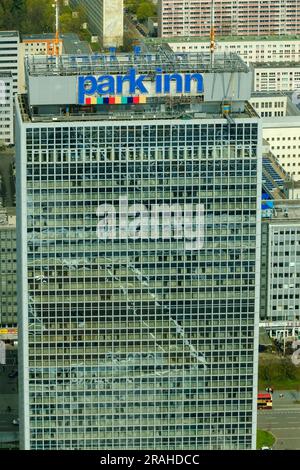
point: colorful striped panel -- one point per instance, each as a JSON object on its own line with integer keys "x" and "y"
{"x": 115, "y": 100}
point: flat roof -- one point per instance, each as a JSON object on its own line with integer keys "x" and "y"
{"x": 9, "y": 34}
{"x": 71, "y": 42}
{"x": 274, "y": 65}
{"x": 285, "y": 37}
{"x": 286, "y": 211}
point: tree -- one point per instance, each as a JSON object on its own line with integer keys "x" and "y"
{"x": 40, "y": 17}
{"x": 145, "y": 10}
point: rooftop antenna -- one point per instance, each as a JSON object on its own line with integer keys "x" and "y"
{"x": 212, "y": 33}
{"x": 56, "y": 48}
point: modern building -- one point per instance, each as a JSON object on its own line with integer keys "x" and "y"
{"x": 272, "y": 104}
{"x": 280, "y": 313}
{"x": 9, "y": 55}
{"x": 232, "y": 17}
{"x": 6, "y": 109}
{"x": 138, "y": 253}
{"x": 40, "y": 44}
{"x": 283, "y": 135}
{"x": 105, "y": 19}
{"x": 8, "y": 268}
{"x": 280, "y": 76}
{"x": 265, "y": 49}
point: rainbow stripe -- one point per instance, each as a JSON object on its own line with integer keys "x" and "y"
{"x": 115, "y": 100}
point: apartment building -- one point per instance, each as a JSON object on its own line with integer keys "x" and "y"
{"x": 232, "y": 17}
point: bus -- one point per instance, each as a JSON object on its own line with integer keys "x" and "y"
{"x": 264, "y": 401}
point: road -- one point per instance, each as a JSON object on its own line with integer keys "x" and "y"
{"x": 283, "y": 420}
{"x": 8, "y": 398}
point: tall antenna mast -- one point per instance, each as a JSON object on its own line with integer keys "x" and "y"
{"x": 212, "y": 32}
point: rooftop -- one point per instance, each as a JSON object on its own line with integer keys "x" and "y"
{"x": 71, "y": 42}
{"x": 287, "y": 210}
{"x": 166, "y": 60}
{"x": 9, "y": 34}
{"x": 225, "y": 39}
{"x": 274, "y": 65}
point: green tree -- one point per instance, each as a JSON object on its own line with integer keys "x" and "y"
{"x": 145, "y": 10}
{"x": 40, "y": 17}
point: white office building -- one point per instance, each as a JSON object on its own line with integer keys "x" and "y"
{"x": 6, "y": 109}
{"x": 279, "y": 76}
{"x": 250, "y": 48}
{"x": 9, "y": 55}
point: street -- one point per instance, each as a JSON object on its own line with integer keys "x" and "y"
{"x": 283, "y": 420}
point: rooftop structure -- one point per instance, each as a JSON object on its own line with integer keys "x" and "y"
{"x": 148, "y": 62}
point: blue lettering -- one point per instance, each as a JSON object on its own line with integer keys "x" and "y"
{"x": 188, "y": 82}
{"x": 86, "y": 86}
{"x": 111, "y": 85}
{"x": 179, "y": 82}
{"x": 106, "y": 85}
{"x": 158, "y": 81}
{"x": 136, "y": 83}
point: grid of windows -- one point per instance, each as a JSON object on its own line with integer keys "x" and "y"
{"x": 284, "y": 272}
{"x": 140, "y": 343}
{"x": 8, "y": 307}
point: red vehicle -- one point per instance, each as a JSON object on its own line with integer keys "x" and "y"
{"x": 264, "y": 401}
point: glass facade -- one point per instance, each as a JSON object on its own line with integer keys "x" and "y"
{"x": 139, "y": 343}
{"x": 283, "y": 271}
{"x": 8, "y": 277}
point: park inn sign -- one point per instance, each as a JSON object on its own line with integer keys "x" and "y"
{"x": 90, "y": 87}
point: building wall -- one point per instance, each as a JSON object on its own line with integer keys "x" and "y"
{"x": 272, "y": 78}
{"x": 232, "y": 17}
{"x": 285, "y": 145}
{"x": 270, "y": 106}
{"x": 254, "y": 50}
{"x": 6, "y": 110}
{"x": 8, "y": 276}
{"x": 138, "y": 344}
{"x": 9, "y": 55}
{"x": 284, "y": 271}
{"x": 41, "y": 46}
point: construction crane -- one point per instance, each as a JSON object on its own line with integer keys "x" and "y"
{"x": 56, "y": 48}
{"x": 212, "y": 33}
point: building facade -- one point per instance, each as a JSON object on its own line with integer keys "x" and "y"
{"x": 105, "y": 19}
{"x": 283, "y": 76}
{"x": 283, "y": 135}
{"x": 251, "y": 48}
{"x": 270, "y": 104}
{"x": 232, "y": 17}
{"x": 6, "y": 109}
{"x": 134, "y": 339}
{"x": 8, "y": 270}
{"x": 9, "y": 55}
{"x": 281, "y": 270}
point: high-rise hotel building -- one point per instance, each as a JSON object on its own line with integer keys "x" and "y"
{"x": 232, "y": 17}
{"x": 138, "y": 331}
